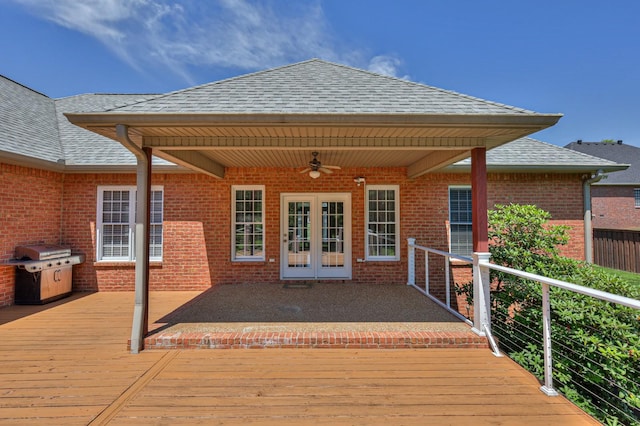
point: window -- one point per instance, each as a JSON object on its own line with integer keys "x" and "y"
{"x": 116, "y": 223}
{"x": 460, "y": 234}
{"x": 636, "y": 196}
{"x": 248, "y": 223}
{"x": 382, "y": 222}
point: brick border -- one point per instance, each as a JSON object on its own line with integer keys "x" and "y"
{"x": 318, "y": 340}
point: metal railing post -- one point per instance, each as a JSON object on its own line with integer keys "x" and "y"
{"x": 411, "y": 261}
{"x": 426, "y": 271}
{"x": 481, "y": 294}
{"x": 447, "y": 284}
{"x": 546, "y": 337}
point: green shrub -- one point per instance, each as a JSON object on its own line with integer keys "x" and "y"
{"x": 596, "y": 344}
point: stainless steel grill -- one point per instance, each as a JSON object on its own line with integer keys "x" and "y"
{"x": 44, "y": 273}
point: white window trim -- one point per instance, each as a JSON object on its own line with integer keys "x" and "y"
{"x": 396, "y": 189}
{"x": 449, "y": 211}
{"x": 235, "y": 258}
{"x": 635, "y": 191}
{"x": 132, "y": 215}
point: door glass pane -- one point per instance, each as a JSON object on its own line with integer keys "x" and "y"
{"x": 332, "y": 234}
{"x": 298, "y": 234}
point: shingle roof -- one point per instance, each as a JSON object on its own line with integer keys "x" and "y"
{"x": 83, "y": 147}
{"x": 33, "y": 126}
{"x": 317, "y": 87}
{"x": 28, "y": 123}
{"x": 620, "y": 153}
{"x": 528, "y": 154}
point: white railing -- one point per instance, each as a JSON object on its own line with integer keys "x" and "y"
{"x": 447, "y": 279}
{"x": 481, "y": 297}
{"x": 481, "y": 308}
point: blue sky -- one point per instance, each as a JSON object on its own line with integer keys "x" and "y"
{"x": 579, "y": 58}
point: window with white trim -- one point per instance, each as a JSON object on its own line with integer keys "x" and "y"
{"x": 382, "y": 210}
{"x": 636, "y": 197}
{"x": 460, "y": 232}
{"x": 247, "y": 223}
{"x": 116, "y": 223}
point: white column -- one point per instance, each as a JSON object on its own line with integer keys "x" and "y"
{"x": 411, "y": 260}
{"x": 481, "y": 294}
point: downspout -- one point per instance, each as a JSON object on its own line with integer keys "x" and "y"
{"x": 140, "y": 325}
{"x": 588, "y": 231}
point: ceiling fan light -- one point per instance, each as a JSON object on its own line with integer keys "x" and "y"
{"x": 314, "y": 174}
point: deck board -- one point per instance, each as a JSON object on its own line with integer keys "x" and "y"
{"x": 68, "y": 364}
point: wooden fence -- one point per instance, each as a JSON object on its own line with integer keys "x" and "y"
{"x": 617, "y": 249}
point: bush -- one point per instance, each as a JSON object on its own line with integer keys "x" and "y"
{"x": 596, "y": 344}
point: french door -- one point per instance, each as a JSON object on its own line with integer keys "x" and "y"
{"x": 316, "y": 236}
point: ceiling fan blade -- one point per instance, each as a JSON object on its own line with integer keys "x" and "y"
{"x": 325, "y": 170}
{"x": 305, "y": 170}
{"x": 332, "y": 167}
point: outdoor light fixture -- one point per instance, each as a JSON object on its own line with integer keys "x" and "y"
{"x": 314, "y": 174}
{"x": 359, "y": 180}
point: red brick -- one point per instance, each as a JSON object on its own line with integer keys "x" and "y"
{"x": 613, "y": 207}
{"x": 40, "y": 206}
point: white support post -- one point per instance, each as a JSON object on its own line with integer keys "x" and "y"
{"x": 547, "y": 389}
{"x": 447, "y": 284}
{"x": 411, "y": 259}
{"x": 426, "y": 271}
{"x": 481, "y": 294}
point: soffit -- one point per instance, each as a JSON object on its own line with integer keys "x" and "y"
{"x": 424, "y": 145}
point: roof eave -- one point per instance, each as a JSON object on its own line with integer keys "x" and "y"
{"x": 119, "y": 168}
{"x": 88, "y": 120}
{"x": 540, "y": 168}
{"x": 32, "y": 162}
{"x": 604, "y": 182}
{"x": 61, "y": 167}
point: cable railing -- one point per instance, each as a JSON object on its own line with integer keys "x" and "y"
{"x": 529, "y": 339}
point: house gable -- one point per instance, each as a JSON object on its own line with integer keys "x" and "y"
{"x": 286, "y": 113}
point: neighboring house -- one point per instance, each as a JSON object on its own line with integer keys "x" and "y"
{"x": 616, "y": 198}
{"x": 229, "y": 203}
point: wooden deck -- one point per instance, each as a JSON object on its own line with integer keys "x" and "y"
{"x": 68, "y": 364}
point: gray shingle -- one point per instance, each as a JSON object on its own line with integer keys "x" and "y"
{"x": 620, "y": 153}
{"x": 82, "y": 147}
{"x": 28, "y": 122}
{"x": 532, "y": 153}
{"x": 319, "y": 87}
{"x": 33, "y": 125}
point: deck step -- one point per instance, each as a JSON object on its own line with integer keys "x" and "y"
{"x": 343, "y": 339}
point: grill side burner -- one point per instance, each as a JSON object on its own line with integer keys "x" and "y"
{"x": 44, "y": 273}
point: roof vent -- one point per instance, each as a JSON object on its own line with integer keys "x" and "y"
{"x": 579, "y": 141}
{"x": 619, "y": 141}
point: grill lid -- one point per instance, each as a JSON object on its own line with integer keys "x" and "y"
{"x": 42, "y": 252}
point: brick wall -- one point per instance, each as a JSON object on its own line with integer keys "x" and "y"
{"x": 560, "y": 195}
{"x": 30, "y": 213}
{"x": 197, "y": 222}
{"x": 613, "y": 207}
{"x": 190, "y": 232}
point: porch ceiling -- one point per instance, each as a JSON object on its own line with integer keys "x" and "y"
{"x": 209, "y": 143}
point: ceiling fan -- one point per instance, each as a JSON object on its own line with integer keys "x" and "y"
{"x": 315, "y": 167}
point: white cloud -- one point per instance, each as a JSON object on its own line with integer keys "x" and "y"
{"x": 386, "y": 65}
{"x": 245, "y": 34}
